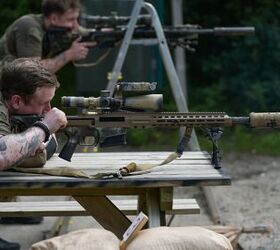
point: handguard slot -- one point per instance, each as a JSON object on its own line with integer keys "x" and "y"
{"x": 112, "y": 119}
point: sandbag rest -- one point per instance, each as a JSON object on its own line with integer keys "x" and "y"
{"x": 167, "y": 238}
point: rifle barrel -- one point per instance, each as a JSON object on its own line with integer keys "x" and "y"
{"x": 240, "y": 120}
{"x": 172, "y": 32}
{"x": 224, "y": 31}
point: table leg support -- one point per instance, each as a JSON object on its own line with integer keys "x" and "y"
{"x": 156, "y": 216}
{"x": 106, "y": 213}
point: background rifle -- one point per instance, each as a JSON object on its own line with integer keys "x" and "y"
{"x": 113, "y": 21}
{"x": 107, "y": 33}
{"x": 106, "y": 114}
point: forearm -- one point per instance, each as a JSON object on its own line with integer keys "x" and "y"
{"x": 56, "y": 63}
{"x": 16, "y": 147}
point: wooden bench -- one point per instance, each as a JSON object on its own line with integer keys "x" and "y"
{"x": 154, "y": 190}
{"x": 73, "y": 208}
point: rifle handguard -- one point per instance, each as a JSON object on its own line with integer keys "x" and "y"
{"x": 265, "y": 120}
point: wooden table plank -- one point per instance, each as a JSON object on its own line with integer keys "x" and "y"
{"x": 73, "y": 208}
{"x": 193, "y": 168}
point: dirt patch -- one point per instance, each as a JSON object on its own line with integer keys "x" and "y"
{"x": 253, "y": 199}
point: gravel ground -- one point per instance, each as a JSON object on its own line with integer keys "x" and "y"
{"x": 252, "y": 199}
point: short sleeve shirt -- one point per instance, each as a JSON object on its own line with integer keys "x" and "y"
{"x": 23, "y": 38}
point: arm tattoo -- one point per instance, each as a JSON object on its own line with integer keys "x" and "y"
{"x": 16, "y": 147}
{"x": 3, "y": 146}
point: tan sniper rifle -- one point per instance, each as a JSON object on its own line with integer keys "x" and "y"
{"x": 115, "y": 112}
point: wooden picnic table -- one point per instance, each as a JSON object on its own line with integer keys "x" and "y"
{"x": 154, "y": 189}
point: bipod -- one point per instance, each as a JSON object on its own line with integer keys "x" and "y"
{"x": 214, "y": 134}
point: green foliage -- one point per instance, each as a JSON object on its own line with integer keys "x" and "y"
{"x": 243, "y": 139}
{"x": 232, "y": 74}
{"x": 235, "y": 74}
{"x": 66, "y": 77}
{"x": 153, "y": 139}
{"x": 237, "y": 139}
{"x": 11, "y": 10}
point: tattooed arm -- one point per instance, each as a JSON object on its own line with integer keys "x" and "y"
{"x": 16, "y": 147}
{"x": 78, "y": 51}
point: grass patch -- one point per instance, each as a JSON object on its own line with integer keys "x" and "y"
{"x": 239, "y": 139}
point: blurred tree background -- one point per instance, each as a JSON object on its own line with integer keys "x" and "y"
{"x": 238, "y": 74}
{"x": 232, "y": 74}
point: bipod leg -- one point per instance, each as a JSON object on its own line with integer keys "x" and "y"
{"x": 214, "y": 134}
{"x": 184, "y": 141}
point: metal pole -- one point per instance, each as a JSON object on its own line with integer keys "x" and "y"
{"x": 180, "y": 62}
{"x": 176, "y": 87}
{"x": 125, "y": 44}
{"x": 179, "y": 53}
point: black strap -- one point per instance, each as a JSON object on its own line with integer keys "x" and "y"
{"x": 43, "y": 126}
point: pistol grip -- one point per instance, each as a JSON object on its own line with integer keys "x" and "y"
{"x": 67, "y": 151}
{"x": 70, "y": 147}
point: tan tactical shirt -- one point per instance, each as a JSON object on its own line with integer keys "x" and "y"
{"x": 23, "y": 38}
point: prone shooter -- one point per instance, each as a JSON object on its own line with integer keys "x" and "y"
{"x": 141, "y": 111}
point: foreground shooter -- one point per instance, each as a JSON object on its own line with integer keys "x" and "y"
{"x": 26, "y": 87}
{"x": 123, "y": 110}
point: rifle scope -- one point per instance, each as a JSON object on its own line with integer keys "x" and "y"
{"x": 152, "y": 102}
{"x": 114, "y": 20}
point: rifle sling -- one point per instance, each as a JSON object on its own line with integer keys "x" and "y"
{"x": 130, "y": 169}
{"x": 72, "y": 172}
